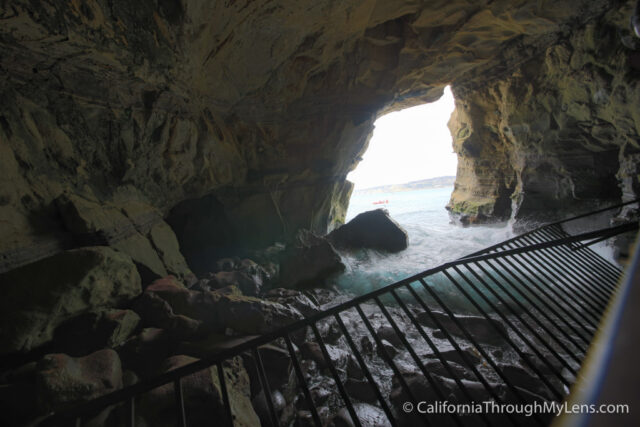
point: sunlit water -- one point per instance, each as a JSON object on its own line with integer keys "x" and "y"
{"x": 433, "y": 240}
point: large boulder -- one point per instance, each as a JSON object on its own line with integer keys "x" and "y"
{"x": 308, "y": 260}
{"x": 223, "y": 309}
{"x": 294, "y": 299}
{"x": 128, "y": 225}
{"x": 63, "y": 380}
{"x": 39, "y": 297}
{"x": 373, "y": 230}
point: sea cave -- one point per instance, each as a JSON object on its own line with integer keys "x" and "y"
{"x": 174, "y": 240}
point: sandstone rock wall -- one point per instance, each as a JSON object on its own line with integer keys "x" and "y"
{"x": 558, "y": 134}
{"x": 265, "y": 106}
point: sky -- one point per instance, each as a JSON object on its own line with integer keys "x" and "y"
{"x": 409, "y": 145}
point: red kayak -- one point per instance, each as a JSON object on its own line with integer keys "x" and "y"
{"x": 381, "y": 202}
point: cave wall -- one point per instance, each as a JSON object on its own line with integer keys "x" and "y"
{"x": 558, "y": 135}
{"x": 264, "y": 106}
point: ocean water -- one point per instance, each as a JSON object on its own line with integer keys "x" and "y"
{"x": 433, "y": 239}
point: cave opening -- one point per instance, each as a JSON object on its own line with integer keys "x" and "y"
{"x": 409, "y": 169}
{"x": 408, "y": 147}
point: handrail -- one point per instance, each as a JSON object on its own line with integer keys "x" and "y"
{"x": 552, "y": 224}
{"x": 128, "y": 393}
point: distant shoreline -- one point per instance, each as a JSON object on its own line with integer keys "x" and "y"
{"x": 439, "y": 182}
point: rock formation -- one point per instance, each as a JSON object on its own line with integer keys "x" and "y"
{"x": 373, "y": 229}
{"x": 264, "y": 108}
{"x": 554, "y": 135}
{"x": 142, "y": 141}
{"x": 39, "y": 297}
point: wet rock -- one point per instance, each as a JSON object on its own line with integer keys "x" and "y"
{"x": 202, "y": 396}
{"x": 353, "y": 369}
{"x": 373, "y": 230}
{"x": 454, "y": 369}
{"x": 386, "y": 350}
{"x": 480, "y": 328}
{"x": 389, "y": 334}
{"x": 308, "y": 260}
{"x": 95, "y": 330}
{"x": 330, "y": 331}
{"x": 39, "y": 297}
{"x": 224, "y": 308}
{"x": 321, "y": 394}
{"x": 368, "y": 415}
{"x": 293, "y": 299}
{"x": 268, "y": 255}
{"x": 254, "y": 271}
{"x": 439, "y": 334}
{"x": 309, "y": 367}
{"x": 360, "y": 390}
{"x": 311, "y": 350}
{"x": 366, "y": 345}
{"x": 63, "y": 380}
{"x": 454, "y": 356}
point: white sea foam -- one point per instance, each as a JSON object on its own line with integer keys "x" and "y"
{"x": 433, "y": 240}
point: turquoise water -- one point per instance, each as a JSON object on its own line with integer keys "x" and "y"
{"x": 433, "y": 240}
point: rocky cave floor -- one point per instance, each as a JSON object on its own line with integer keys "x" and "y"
{"x": 172, "y": 324}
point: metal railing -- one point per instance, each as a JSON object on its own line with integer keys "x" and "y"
{"x": 542, "y": 295}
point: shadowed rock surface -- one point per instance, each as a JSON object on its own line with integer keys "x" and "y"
{"x": 143, "y": 141}
{"x": 373, "y": 230}
{"x": 308, "y": 260}
{"x": 63, "y": 380}
{"x": 37, "y": 298}
{"x": 253, "y": 112}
